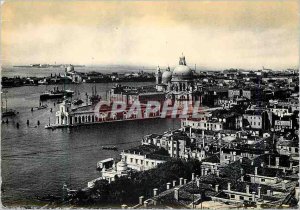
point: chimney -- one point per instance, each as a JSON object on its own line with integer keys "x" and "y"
{"x": 242, "y": 171}
{"x": 185, "y": 181}
{"x": 181, "y": 181}
{"x": 218, "y": 172}
{"x": 145, "y": 204}
{"x": 291, "y": 165}
{"x": 217, "y": 188}
{"x": 193, "y": 176}
{"x": 241, "y": 160}
{"x": 259, "y": 191}
{"x": 174, "y": 183}
{"x": 141, "y": 200}
{"x": 277, "y": 161}
{"x": 268, "y": 192}
{"x": 234, "y": 157}
{"x": 253, "y": 196}
{"x": 252, "y": 162}
{"x": 255, "y": 170}
{"x": 242, "y": 178}
{"x": 247, "y": 189}
{"x": 229, "y": 186}
{"x": 124, "y": 206}
{"x": 168, "y": 185}
{"x": 283, "y": 185}
{"x": 198, "y": 182}
{"x": 176, "y": 193}
{"x": 155, "y": 191}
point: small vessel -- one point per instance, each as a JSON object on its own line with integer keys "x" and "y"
{"x": 41, "y": 106}
{"x": 77, "y": 102}
{"x": 94, "y": 99}
{"x": 109, "y": 148}
{"x": 8, "y": 112}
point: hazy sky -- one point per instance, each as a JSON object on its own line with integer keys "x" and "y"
{"x": 212, "y": 34}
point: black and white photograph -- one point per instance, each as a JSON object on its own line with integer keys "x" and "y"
{"x": 150, "y": 104}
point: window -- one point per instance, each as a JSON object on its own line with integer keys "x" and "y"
{"x": 147, "y": 163}
{"x": 131, "y": 160}
{"x": 142, "y": 162}
{"x": 262, "y": 180}
{"x": 232, "y": 196}
{"x": 136, "y": 161}
{"x": 241, "y": 197}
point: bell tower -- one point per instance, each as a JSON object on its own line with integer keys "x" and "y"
{"x": 158, "y": 75}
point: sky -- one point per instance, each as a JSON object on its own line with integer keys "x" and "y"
{"x": 211, "y": 34}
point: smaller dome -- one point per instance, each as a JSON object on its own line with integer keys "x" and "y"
{"x": 70, "y": 68}
{"x": 166, "y": 77}
{"x": 121, "y": 166}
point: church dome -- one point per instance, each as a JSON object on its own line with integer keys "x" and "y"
{"x": 166, "y": 77}
{"x": 182, "y": 71}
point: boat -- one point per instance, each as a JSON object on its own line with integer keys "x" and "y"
{"x": 95, "y": 98}
{"x": 109, "y": 148}
{"x": 55, "y": 94}
{"x": 8, "y": 112}
{"x": 42, "y": 107}
{"x": 77, "y": 102}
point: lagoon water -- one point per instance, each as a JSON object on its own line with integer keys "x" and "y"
{"x": 37, "y": 162}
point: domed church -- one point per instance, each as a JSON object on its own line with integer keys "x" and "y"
{"x": 179, "y": 84}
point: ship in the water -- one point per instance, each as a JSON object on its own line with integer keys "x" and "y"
{"x": 56, "y": 94}
{"x": 5, "y": 111}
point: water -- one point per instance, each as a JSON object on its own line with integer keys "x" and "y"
{"x": 37, "y": 161}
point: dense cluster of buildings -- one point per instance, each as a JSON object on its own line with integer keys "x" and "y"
{"x": 248, "y": 146}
